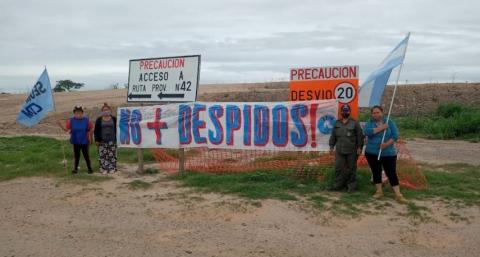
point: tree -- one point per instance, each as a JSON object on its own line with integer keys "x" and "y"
{"x": 67, "y": 85}
{"x": 114, "y": 85}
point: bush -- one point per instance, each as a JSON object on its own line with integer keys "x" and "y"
{"x": 450, "y": 109}
{"x": 409, "y": 122}
{"x": 448, "y": 122}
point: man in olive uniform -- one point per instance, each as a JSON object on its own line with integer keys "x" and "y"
{"x": 347, "y": 138}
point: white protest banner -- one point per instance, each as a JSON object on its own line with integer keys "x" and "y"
{"x": 166, "y": 79}
{"x": 284, "y": 126}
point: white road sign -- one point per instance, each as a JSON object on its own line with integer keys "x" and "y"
{"x": 165, "y": 79}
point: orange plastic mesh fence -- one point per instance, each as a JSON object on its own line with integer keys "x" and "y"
{"x": 303, "y": 163}
{"x": 409, "y": 173}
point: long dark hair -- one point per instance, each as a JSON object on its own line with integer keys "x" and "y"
{"x": 105, "y": 105}
{"x": 376, "y": 107}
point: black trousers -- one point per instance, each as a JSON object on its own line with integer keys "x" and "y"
{"x": 389, "y": 164}
{"x": 76, "y": 152}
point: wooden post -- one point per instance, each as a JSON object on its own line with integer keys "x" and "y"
{"x": 181, "y": 161}
{"x": 140, "y": 157}
{"x": 140, "y": 160}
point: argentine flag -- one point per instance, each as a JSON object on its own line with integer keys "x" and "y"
{"x": 39, "y": 102}
{"x": 372, "y": 88}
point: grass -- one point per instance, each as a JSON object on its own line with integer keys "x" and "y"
{"x": 451, "y": 184}
{"x": 450, "y": 121}
{"x": 256, "y": 185}
{"x": 288, "y": 156}
{"x": 176, "y": 152}
{"x": 150, "y": 171}
{"x": 129, "y": 155}
{"x": 319, "y": 201}
{"x": 139, "y": 184}
{"x": 282, "y": 185}
{"x": 31, "y": 156}
{"x": 455, "y": 184}
{"x": 27, "y": 156}
{"x": 418, "y": 212}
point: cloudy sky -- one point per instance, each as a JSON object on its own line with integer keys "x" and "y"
{"x": 91, "y": 41}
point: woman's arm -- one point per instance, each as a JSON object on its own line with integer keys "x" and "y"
{"x": 388, "y": 143}
{"x": 393, "y": 135}
{"x": 90, "y": 132}
{"x": 63, "y": 126}
{"x": 394, "y": 130}
{"x": 370, "y": 130}
{"x": 97, "y": 131}
{"x": 380, "y": 128}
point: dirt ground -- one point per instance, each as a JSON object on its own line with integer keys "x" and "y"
{"x": 48, "y": 217}
{"x": 45, "y": 217}
{"x": 444, "y": 151}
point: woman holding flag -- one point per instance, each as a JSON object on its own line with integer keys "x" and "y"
{"x": 375, "y": 129}
{"x": 382, "y": 133}
{"x": 80, "y": 129}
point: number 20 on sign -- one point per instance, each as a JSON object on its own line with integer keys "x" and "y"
{"x": 318, "y": 83}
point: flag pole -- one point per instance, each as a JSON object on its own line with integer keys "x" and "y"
{"x": 51, "y": 90}
{"x": 61, "y": 140}
{"x": 393, "y": 95}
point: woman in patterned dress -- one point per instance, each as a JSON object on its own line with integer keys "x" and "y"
{"x": 106, "y": 140}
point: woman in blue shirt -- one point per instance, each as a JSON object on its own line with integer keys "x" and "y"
{"x": 374, "y": 130}
{"x": 80, "y": 129}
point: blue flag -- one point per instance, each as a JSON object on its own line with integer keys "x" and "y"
{"x": 38, "y": 104}
{"x": 371, "y": 90}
